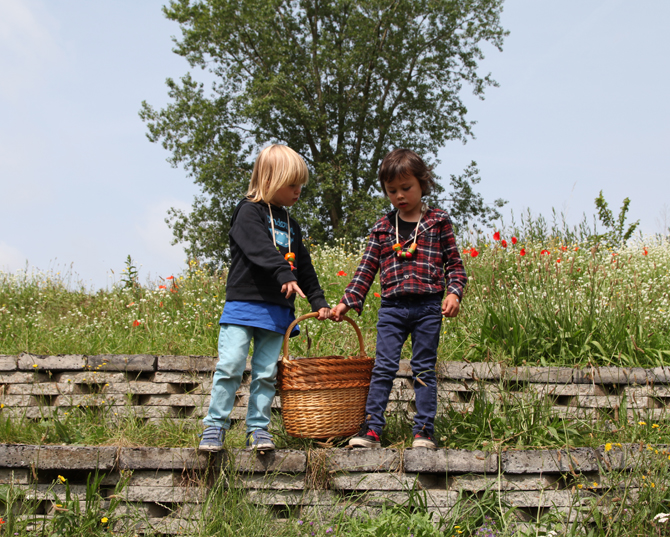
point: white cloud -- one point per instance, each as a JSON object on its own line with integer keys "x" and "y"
{"x": 27, "y": 46}
{"x": 11, "y": 258}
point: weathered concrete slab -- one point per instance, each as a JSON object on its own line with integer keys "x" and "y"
{"x": 628, "y": 456}
{"x": 57, "y": 457}
{"x": 289, "y": 497}
{"x": 480, "y": 483}
{"x": 546, "y": 498}
{"x": 549, "y": 461}
{"x": 32, "y": 362}
{"x": 280, "y": 460}
{"x": 363, "y": 460}
{"x": 122, "y": 362}
{"x": 382, "y": 481}
{"x": 540, "y": 375}
{"x": 142, "y": 388}
{"x": 660, "y": 375}
{"x": 162, "y": 458}
{"x": 163, "y": 494}
{"x": 16, "y": 476}
{"x": 441, "y": 461}
{"x": 22, "y": 377}
{"x": 611, "y": 375}
{"x": 187, "y": 363}
{"x": 8, "y": 363}
{"x": 271, "y": 481}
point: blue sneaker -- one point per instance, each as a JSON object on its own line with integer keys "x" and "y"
{"x": 260, "y": 440}
{"x": 212, "y": 439}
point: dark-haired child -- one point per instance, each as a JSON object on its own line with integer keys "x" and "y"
{"x": 415, "y": 251}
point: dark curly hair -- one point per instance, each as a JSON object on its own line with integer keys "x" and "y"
{"x": 403, "y": 163}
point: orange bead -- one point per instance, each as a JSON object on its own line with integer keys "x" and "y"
{"x": 397, "y": 247}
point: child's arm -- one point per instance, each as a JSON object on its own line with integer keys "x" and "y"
{"x": 356, "y": 291}
{"x": 454, "y": 271}
{"x": 309, "y": 281}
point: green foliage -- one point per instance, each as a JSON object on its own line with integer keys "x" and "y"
{"x": 466, "y": 207}
{"x": 341, "y": 82}
{"x": 617, "y": 232}
{"x": 130, "y": 274}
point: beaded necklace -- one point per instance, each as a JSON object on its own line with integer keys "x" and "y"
{"x": 290, "y": 256}
{"x": 397, "y": 247}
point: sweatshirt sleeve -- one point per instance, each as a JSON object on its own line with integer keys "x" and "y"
{"x": 307, "y": 278}
{"x": 356, "y": 291}
{"x": 250, "y": 232}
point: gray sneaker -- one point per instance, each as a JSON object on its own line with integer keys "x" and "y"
{"x": 212, "y": 439}
{"x": 260, "y": 440}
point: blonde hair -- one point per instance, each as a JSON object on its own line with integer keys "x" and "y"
{"x": 276, "y": 166}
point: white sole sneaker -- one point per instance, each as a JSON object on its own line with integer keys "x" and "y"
{"x": 360, "y": 441}
{"x": 423, "y": 443}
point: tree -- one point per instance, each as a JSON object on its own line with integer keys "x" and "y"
{"x": 340, "y": 81}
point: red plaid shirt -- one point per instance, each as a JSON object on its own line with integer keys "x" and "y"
{"x": 435, "y": 265}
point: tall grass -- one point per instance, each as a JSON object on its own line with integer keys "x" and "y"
{"x": 544, "y": 303}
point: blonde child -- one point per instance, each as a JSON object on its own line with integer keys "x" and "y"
{"x": 269, "y": 265}
{"x": 414, "y": 249}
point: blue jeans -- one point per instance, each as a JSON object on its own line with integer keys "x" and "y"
{"x": 234, "y": 343}
{"x": 398, "y": 318}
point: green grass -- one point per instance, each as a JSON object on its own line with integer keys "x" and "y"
{"x": 572, "y": 306}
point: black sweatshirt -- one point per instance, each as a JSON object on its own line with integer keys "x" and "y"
{"x": 257, "y": 269}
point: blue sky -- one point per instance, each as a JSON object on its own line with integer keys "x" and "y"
{"x": 582, "y": 107}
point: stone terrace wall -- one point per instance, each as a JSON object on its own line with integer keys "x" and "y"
{"x": 178, "y": 387}
{"x": 165, "y": 488}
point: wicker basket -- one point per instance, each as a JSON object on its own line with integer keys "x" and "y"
{"x": 325, "y": 396}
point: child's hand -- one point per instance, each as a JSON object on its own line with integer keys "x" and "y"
{"x": 324, "y": 313}
{"x": 451, "y": 305}
{"x": 292, "y": 287}
{"x": 338, "y": 312}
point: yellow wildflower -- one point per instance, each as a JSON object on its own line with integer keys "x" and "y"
{"x": 62, "y": 479}
{"x": 608, "y": 447}
{"x": 104, "y": 520}
{"x": 655, "y": 426}
{"x": 642, "y": 423}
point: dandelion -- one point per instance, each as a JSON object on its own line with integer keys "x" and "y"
{"x": 104, "y": 520}
{"x": 580, "y": 486}
{"x": 608, "y": 447}
{"x": 34, "y": 365}
{"x": 655, "y": 426}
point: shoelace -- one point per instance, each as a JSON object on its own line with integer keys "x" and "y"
{"x": 260, "y": 434}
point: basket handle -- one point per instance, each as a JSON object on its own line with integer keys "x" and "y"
{"x": 316, "y": 314}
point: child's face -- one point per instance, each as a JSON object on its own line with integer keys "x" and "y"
{"x": 405, "y": 195}
{"x": 286, "y": 196}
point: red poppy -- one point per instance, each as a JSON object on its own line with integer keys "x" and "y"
{"x": 162, "y": 286}
{"x": 170, "y": 278}
{"x": 466, "y": 251}
{"x": 496, "y": 236}
{"x": 2, "y": 521}
{"x": 161, "y": 304}
{"x": 558, "y": 260}
{"x": 136, "y": 323}
{"x": 174, "y": 289}
{"x": 644, "y": 252}
{"x": 576, "y": 248}
{"x": 564, "y": 248}
{"x": 544, "y": 252}
{"x": 474, "y": 253}
{"x": 377, "y": 295}
{"x": 522, "y": 251}
{"x": 514, "y": 240}
{"x": 504, "y": 243}
{"x": 341, "y": 273}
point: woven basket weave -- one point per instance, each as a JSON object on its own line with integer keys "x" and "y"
{"x": 325, "y": 396}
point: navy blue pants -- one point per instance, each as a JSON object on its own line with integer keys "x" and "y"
{"x": 420, "y": 317}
